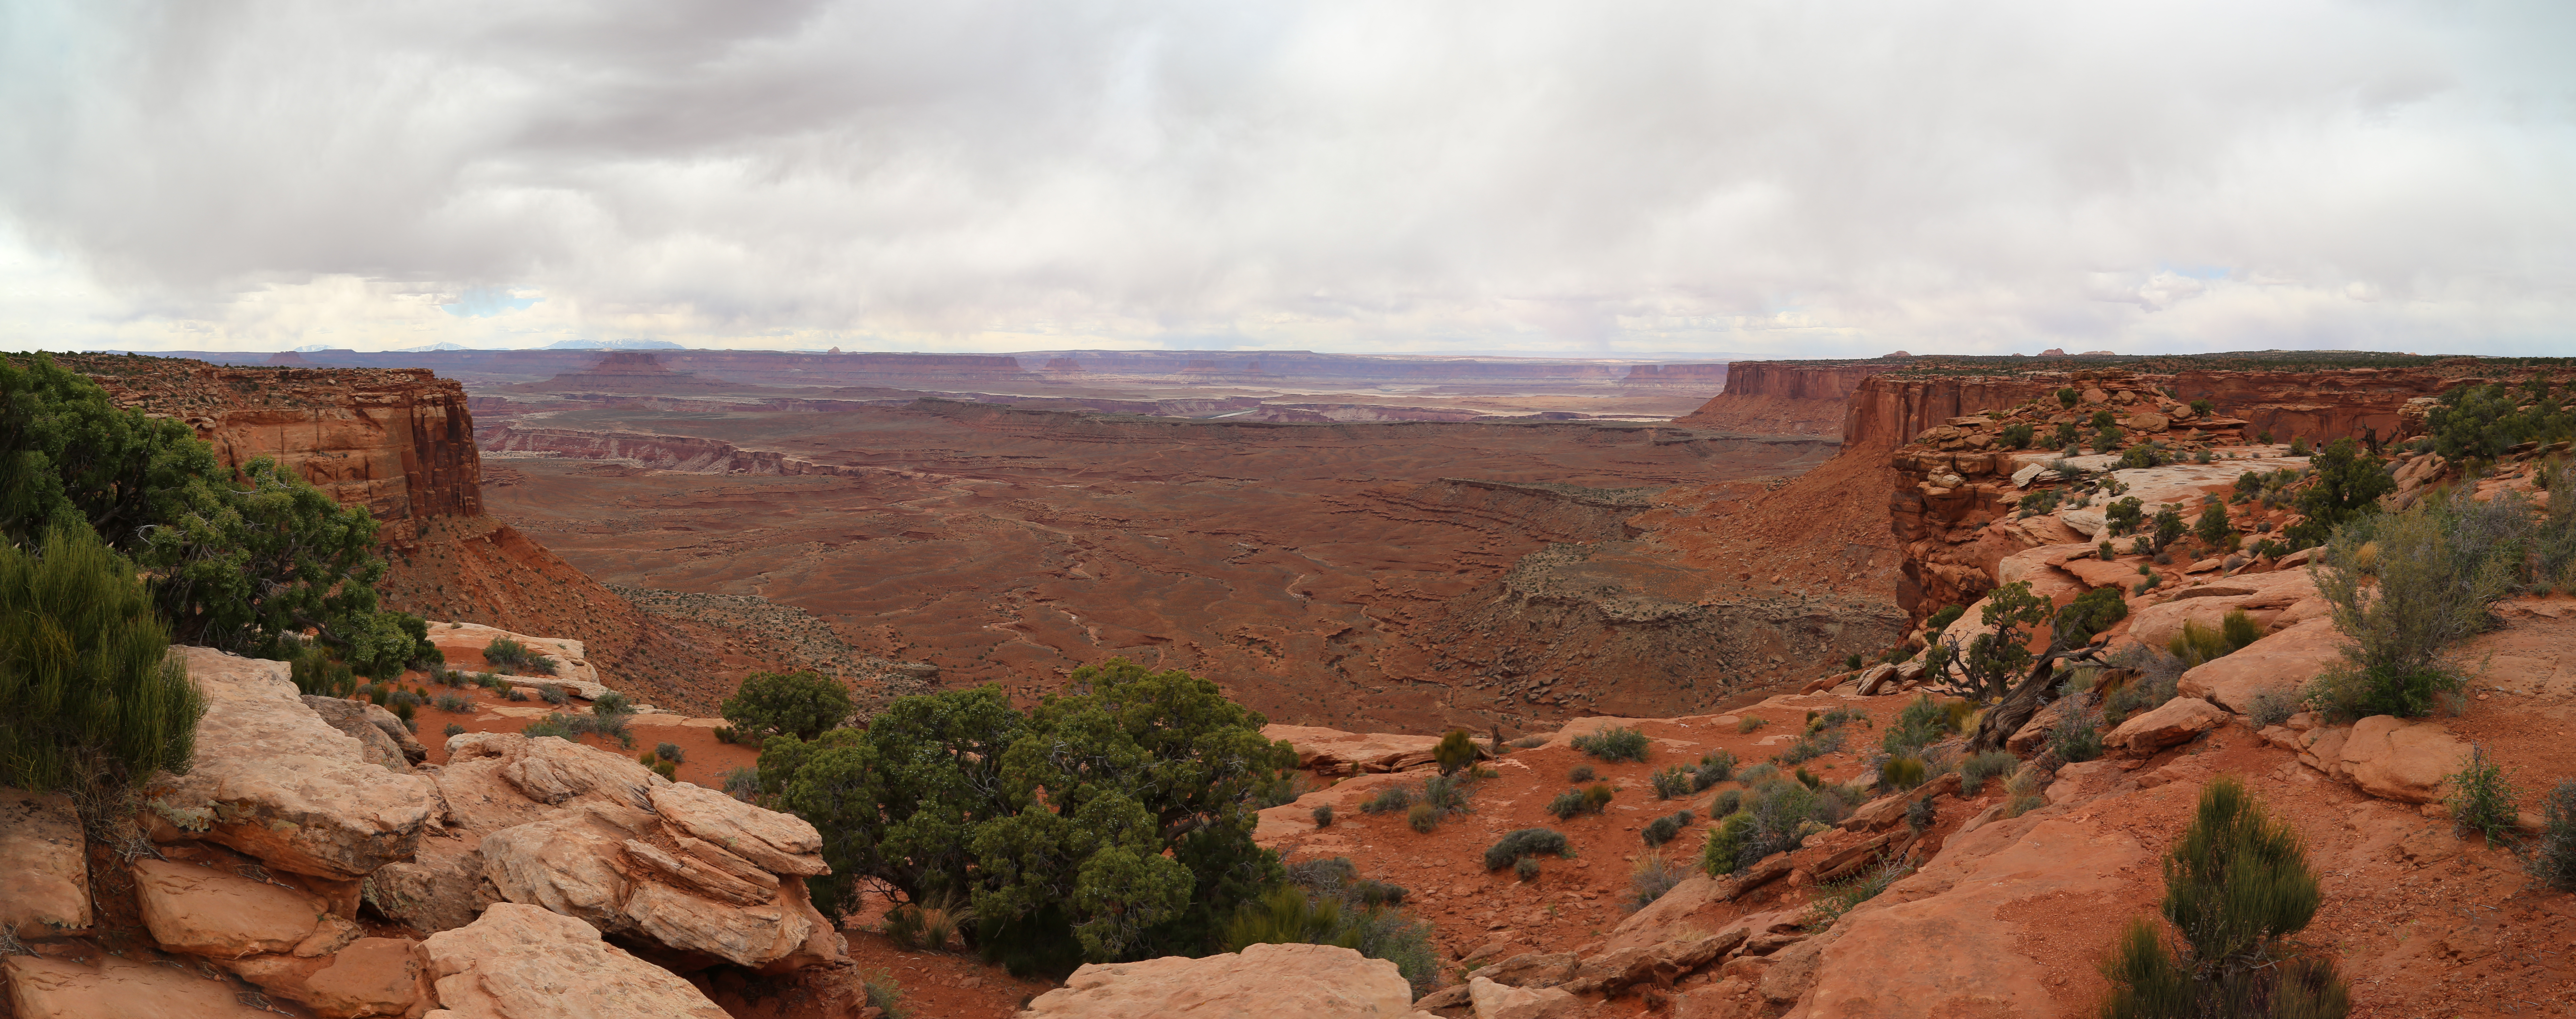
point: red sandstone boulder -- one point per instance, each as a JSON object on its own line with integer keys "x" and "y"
{"x": 44, "y": 870}
{"x": 1334, "y": 752}
{"x": 367, "y": 977}
{"x": 1497, "y": 1001}
{"x": 115, "y": 988}
{"x": 2179, "y": 720}
{"x": 201, "y": 911}
{"x": 2394, "y": 759}
{"x": 523, "y": 962}
{"x": 2283, "y": 661}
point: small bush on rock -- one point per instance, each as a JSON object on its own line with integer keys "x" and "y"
{"x": 2078, "y": 736}
{"x": 452, "y": 704}
{"x": 454, "y": 729}
{"x": 2237, "y": 888}
{"x": 1974, "y": 771}
{"x": 1751, "y": 722}
{"x": 1833, "y": 899}
{"x": 2272, "y": 706}
{"x": 552, "y": 693}
{"x": 1726, "y": 803}
{"x": 670, "y": 752}
{"x": 2438, "y": 566}
{"x": 1456, "y": 751}
{"x": 1615, "y": 744}
{"x": 1650, "y": 878}
{"x": 1900, "y": 773}
{"x": 1523, "y": 843}
{"x": 1919, "y": 814}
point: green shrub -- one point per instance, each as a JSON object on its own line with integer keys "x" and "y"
{"x": 1525, "y": 868}
{"x": 1580, "y": 774}
{"x": 2018, "y": 435}
{"x": 1775, "y": 816}
{"x": 1813, "y": 745}
{"x": 510, "y": 654}
{"x": 1714, "y": 767}
{"x": 2438, "y": 566}
{"x": 1666, "y": 828}
{"x": 2348, "y": 485}
{"x": 1672, "y": 782}
{"x": 1615, "y": 744}
{"x": 452, "y": 704}
{"x": 2124, "y": 515}
{"x": 1919, "y": 724}
{"x": 1851, "y": 661}
{"x": 2237, "y": 888}
{"x": 1324, "y": 815}
{"x": 2078, "y": 736}
{"x": 557, "y": 724}
{"x": 1523, "y": 843}
{"x": 2482, "y": 422}
{"x": 2552, "y": 860}
{"x": 1758, "y": 774}
{"x": 1919, "y": 814}
{"x": 2212, "y": 527}
{"x": 1725, "y": 845}
{"x": 1998, "y": 657}
{"x": 2090, "y": 613}
{"x": 2197, "y": 644}
{"x": 1832, "y": 899}
{"x": 2203, "y": 408}
{"x": 313, "y": 671}
{"x": 2239, "y": 629}
{"x": 90, "y": 698}
{"x": 1650, "y": 877}
{"x": 2482, "y": 798}
{"x": 1974, "y": 771}
{"x": 1901, "y": 773}
{"x": 1388, "y": 800}
{"x": 1942, "y": 619}
{"x": 2106, "y": 440}
{"x": 1283, "y": 787}
{"x": 670, "y": 752}
{"x": 1423, "y": 818}
{"x": 802, "y": 704}
{"x": 1726, "y": 803}
{"x": 2271, "y": 706}
{"x": 2102, "y": 419}
{"x": 514, "y": 694}
{"x": 552, "y": 693}
{"x": 1750, "y": 722}
{"x": 884, "y": 994}
{"x": 1456, "y": 751}
{"x": 2553, "y": 537}
{"x": 454, "y": 729}
{"x": 611, "y": 703}
{"x": 667, "y": 769}
{"x": 742, "y": 783}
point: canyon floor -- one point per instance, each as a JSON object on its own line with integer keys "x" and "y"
{"x": 1302, "y": 564}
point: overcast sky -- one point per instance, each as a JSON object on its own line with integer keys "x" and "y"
{"x": 1792, "y": 179}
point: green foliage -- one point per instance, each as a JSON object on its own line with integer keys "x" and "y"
{"x": 1666, "y": 828}
{"x": 670, "y": 752}
{"x": 1816, "y": 743}
{"x": 556, "y": 724}
{"x": 2349, "y": 483}
{"x": 1996, "y": 658}
{"x": 2102, "y": 419}
{"x": 1672, "y": 782}
{"x": 2106, "y": 440}
{"x": 2067, "y": 437}
{"x": 1106, "y": 824}
{"x": 1522, "y": 843}
{"x": 552, "y": 693}
{"x": 2438, "y": 566}
{"x": 453, "y": 729}
{"x": 803, "y": 704}
{"x": 2237, "y": 887}
{"x": 1323, "y": 815}
{"x": 2203, "y": 408}
{"x": 89, "y": 695}
{"x": 916, "y": 926}
{"x": 1725, "y": 844}
{"x": 2239, "y": 629}
{"x": 1974, "y": 771}
{"x": 2212, "y": 528}
{"x": 1942, "y": 619}
{"x": 1920, "y": 814}
{"x": 315, "y": 672}
{"x": 2482, "y": 422}
{"x": 1852, "y": 661}
{"x": 742, "y": 783}
{"x": 2018, "y": 435}
{"x": 1388, "y": 800}
{"x": 512, "y": 655}
{"x": 1726, "y": 803}
{"x": 1423, "y": 818}
{"x": 1579, "y": 774}
{"x": 2482, "y": 798}
{"x": 1614, "y": 744}
{"x": 1650, "y": 877}
{"x": 2124, "y": 515}
{"x": 1714, "y": 767}
{"x": 2553, "y": 537}
{"x": 2143, "y": 455}
{"x": 1525, "y": 868}
{"x": 2271, "y": 706}
{"x": 1326, "y": 903}
{"x": 1750, "y": 722}
{"x": 2068, "y": 397}
{"x": 1773, "y": 817}
{"x": 2078, "y": 735}
{"x": 1456, "y": 751}
{"x": 2168, "y": 528}
{"x": 884, "y": 994}
{"x": 2552, "y": 860}
{"x": 2090, "y": 613}
{"x": 1901, "y": 773}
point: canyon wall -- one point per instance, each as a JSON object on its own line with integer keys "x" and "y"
{"x": 1783, "y": 397}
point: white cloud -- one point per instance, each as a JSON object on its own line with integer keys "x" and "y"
{"x": 1790, "y": 178}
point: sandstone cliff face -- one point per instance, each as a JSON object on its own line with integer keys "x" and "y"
{"x": 1783, "y": 397}
{"x": 397, "y": 441}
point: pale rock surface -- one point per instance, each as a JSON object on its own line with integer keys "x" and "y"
{"x": 1532, "y": 969}
{"x": 384, "y": 741}
{"x": 1319, "y": 981}
{"x": 2283, "y": 661}
{"x": 523, "y": 962}
{"x": 1296, "y": 819}
{"x": 116, "y": 988}
{"x": 1496, "y": 1001}
{"x": 575, "y": 863}
{"x": 44, "y": 870}
{"x": 2178, "y": 721}
{"x": 776, "y": 842}
{"x": 368, "y": 977}
{"x": 1335, "y": 752}
{"x": 2274, "y": 601}
{"x": 280, "y": 784}
{"x": 2394, "y": 759}
{"x": 202, "y": 911}
{"x": 462, "y": 642}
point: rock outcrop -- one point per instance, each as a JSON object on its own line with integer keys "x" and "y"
{"x": 1332, "y": 752}
{"x": 109, "y": 987}
{"x": 44, "y": 884}
{"x": 523, "y": 962}
{"x": 1319, "y": 981}
{"x": 275, "y": 781}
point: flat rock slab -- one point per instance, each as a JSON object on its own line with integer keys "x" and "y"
{"x": 464, "y": 643}
{"x": 117, "y": 989}
{"x": 202, "y": 911}
{"x": 2283, "y": 661}
{"x": 2177, "y": 721}
{"x": 522, "y": 962}
{"x": 44, "y": 871}
{"x": 1334, "y": 752}
{"x": 275, "y": 781}
{"x": 1313, "y": 981}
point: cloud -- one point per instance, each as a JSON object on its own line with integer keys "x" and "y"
{"x": 1790, "y": 178}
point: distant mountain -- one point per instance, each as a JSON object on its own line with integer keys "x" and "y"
{"x": 612, "y": 345}
{"x": 431, "y": 348}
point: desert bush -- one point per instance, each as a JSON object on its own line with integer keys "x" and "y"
{"x": 1714, "y": 767}
{"x": 1107, "y": 824}
{"x": 1941, "y": 620}
{"x": 509, "y": 654}
{"x": 556, "y": 724}
{"x": 2022, "y": 791}
{"x": 1672, "y": 782}
{"x": 552, "y": 693}
{"x": 2438, "y": 566}
{"x": 1996, "y": 658}
{"x": 1572, "y": 802}
{"x": 2481, "y": 422}
{"x": 1774, "y": 815}
{"x": 90, "y": 698}
{"x": 1388, "y": 800}
{"x": 2272, "y": 706}
{"x": 2078, "y": 736}
{"x": 741, "y": 783}
{"x": 670, "y": 752}
{"x": 2552, "y": 860}
{"x": 1666, "y": 828}
{"x": 2237, "y": 888}
{"x": 2482, "y": 798}
{"x": 1900, "y": 773}
{"x": 1525, "y": 868}
{"x": 2158, "y": 676}
{"x": 884, "y": 994}
{"x": 1423, "y": 818}
{"x": 1750, "y": 722}
{"x": 1530, "y": 742}
{"x": 1579, "y": 774}
{"x": 1323, "y": 815}
{"x": 1974, "y": 771}
{"x": 1523, "y": 843}
{"x": 1283, "y": 787}
{"x": 2212, "y": 527}
{"x": 1650, "y": 877}
{"x": 1919, "y": 814}
{"x": 667, "y": 769}
{"x": 314, "y": 671}
{"x": 2090, "y": 613}
{"x": 1920, "y": 723}
{"x": 2068, "y": 397}
{"x": 1615, "y": 744}
{"x": 1813, "y": 745}
{"x": 514, "y": 694}
{"x": 453, "y": 729}
{"x": 1758, "y": 774}
{"x": 2348, "y": 485}
{"x": 2019, "y": 435}
{"x": 1456, "y": 751}
{"x": 2553, "y": 537}
{"x": 803, "y": 704}
{"x": 611, "y": 703}
{"x": 1832, "y": 899}
{"x": 452, "y": 704}
{"x": 2197, "y": 644}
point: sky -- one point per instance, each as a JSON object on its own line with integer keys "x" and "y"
{"x": 1805, "y": 178}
